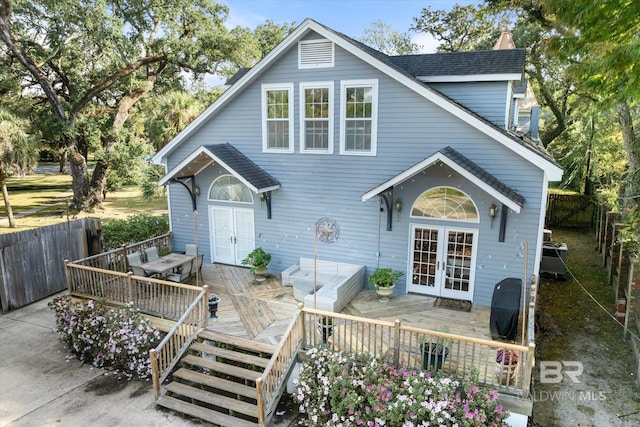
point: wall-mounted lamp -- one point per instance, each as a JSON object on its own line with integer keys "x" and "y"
{"x": 398, "y": 205}
{"x": 493, "y": 210}
{"x": 262, "y": 197}
{"x": 196, "y": 190}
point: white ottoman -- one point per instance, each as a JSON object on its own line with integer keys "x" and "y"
{"x": 302, "y": 287}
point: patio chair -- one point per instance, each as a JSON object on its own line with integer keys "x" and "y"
{"x": 183, "y": 275}
{"x": 134, "y": 259}
{"x": 139, "y": 271}
{"x": 152, "y": 253}
{"x": 192, "y": 249}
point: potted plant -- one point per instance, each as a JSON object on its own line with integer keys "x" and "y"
{"x": 213, "y": 304}
{"x": 506, "y": 366}
{"x": 325, "y": 324}
{"x": 258, "y": 261}
{"x": 384, "y": 279}
{"x": 434, "y": 353}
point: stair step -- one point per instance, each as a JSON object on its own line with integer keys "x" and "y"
{"x": 258, "y": 347}
{"x": 230, "y": 354}
{"x": 215, "y": 382}
{"x": 223, "y": 368}
{"x": 230, "y": 404}
{"x": 209, "y": 415}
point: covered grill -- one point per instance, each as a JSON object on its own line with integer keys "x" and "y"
{"x": 505, "y": 307}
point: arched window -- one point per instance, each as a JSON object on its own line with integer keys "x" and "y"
{"x": 445, "y": 203}
{"x": 229, "y": 188}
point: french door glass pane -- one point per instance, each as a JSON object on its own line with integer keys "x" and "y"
{"x": 425, "y": 257}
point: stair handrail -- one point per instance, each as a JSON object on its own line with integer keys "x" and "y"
{"x": 271, "y": 382}
{"x": 165, "y": 357}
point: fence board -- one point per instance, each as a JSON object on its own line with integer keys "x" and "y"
{"x": 570, "y": 210}
{"x": 32, "y": 261}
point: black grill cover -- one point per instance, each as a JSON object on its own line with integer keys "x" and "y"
{"x": 505, "y": 307}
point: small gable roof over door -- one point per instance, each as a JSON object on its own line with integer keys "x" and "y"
{"x": 227, "y": 156}
{"x": 465, "y": 167}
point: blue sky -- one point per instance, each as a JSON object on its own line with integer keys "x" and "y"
{"x": 350, "y": 17}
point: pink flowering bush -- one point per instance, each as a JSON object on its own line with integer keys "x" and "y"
{"x": 105, "y": 337}
{"x": 336, "y": 389}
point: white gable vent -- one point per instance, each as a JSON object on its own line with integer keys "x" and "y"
{"x": 315, "y": 54}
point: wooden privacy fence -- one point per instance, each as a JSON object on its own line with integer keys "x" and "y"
{"x": 570, "y": 210}
{"x": 116, "y": 259}
{"x": 32, "y": 261}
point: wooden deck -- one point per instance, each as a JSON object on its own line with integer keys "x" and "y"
{"x": 262, "y": 311}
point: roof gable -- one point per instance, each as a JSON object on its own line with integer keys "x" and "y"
{"x": 227, "y": 156}
{"x": 465, "y": 167}
{"x": 384, "y": 64}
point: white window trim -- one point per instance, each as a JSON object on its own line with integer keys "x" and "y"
{"x": 432, "y": 218}
{"x": 209, "y": 199}
{"x": 265, "y": 134}
{"x": 316, "y": 85}
{"x": 344, "y": 84}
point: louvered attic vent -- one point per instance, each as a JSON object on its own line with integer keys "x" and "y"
{"x": 315, "y": 54}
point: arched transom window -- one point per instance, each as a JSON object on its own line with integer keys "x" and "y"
{"x": 229, "y": 188}
{"x": 445, "y": 203}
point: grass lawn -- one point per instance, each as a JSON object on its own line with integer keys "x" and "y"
{"x": 42, "y": 189}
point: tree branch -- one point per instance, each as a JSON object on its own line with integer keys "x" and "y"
{"x": 111, "y": 80}
{"x": 16, "y": 50}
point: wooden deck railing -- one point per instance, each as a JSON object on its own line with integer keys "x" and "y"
{"x": 168, "y": 353}
{"x": 403, "y": 346}
{"x": 272, "y": 382}
{"x": 116, "y": 259}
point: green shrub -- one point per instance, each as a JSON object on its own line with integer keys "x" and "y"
{"x": 136, "y": 228}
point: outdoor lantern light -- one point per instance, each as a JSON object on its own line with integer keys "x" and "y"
{"x": 492, "y": 213}
{"x": 196, "y": 190}
{"x": 398, "y": 205}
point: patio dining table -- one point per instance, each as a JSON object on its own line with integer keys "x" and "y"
{"x": 166, "y": 264}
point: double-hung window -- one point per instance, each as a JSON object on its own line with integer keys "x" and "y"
{"x": 316, "y": 113}
{"x": 277, "y": 117}
{"x": 358, "y": 117}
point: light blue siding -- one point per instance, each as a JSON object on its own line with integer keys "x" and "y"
{"x": 488, "y": 99}
{"x": 410, "y": 129}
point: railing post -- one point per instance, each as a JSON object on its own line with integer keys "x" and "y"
{"x": 155, "y": 372}
{"x": 528, "y": 370}
{"x": 130, "y": 289}
{"x": 303, "y": 326}
{"x": 396, "y": 343}
{"x": 66, "y": 274}
{"x": 260, "y": 402}
{"x": 204, "y": 306}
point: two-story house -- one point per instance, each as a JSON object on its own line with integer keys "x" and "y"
{"x": 411, "y": 162}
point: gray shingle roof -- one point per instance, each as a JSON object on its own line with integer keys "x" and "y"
{"x": 243, "y": 166}
{"x": 462, "y": 63}
{"x": 482, "y": 175}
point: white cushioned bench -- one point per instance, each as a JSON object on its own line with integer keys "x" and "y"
{"x": 336, "y": 283}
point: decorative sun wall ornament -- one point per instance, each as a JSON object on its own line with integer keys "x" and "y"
{"x": 327, "y": 230}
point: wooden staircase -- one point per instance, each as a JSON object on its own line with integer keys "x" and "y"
{"x": 216, "y": 380}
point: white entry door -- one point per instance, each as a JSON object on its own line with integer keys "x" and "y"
{"x": 232, "y": 235}
{"x": 443, "y": 261}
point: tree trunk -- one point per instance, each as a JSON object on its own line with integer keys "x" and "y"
{"x": 122, "y": 113}
{"x": 79, "y": 180}
{"x": 5, "y": 196}
{"x": 632, "y": 184}
{"x": 62, "y": 161}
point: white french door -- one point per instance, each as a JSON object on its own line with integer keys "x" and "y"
{"x": 232, "y": 234}
{"x": 443, "y": 261}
